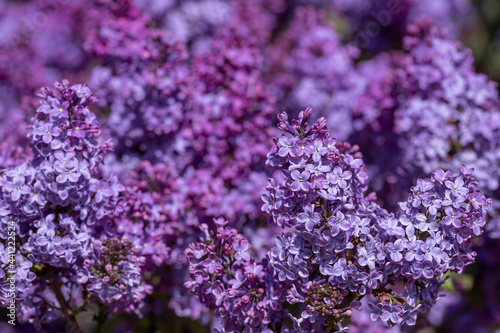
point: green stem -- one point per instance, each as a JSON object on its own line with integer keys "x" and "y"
{"x": 101, "y": 318}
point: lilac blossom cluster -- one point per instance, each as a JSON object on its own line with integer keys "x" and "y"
{"x": 341, "y": 241}
{"x": 35, "y": 49}
{"x": 337, "y": 245}
{"x": 217, "y": 95}
{"x": 428, "y": 108}
{"x": 228, "y": 279}
{"x": 63, "y": 212}
{"x": 441, "y": 85}
{"x": 309, "y": 60}
{"x": 142, "y": 87}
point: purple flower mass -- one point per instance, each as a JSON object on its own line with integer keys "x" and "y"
{"x": 160, "y": 193}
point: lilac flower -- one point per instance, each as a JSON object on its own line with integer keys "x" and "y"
{"x": 47, "y": 132}
{"x": 238, "y": 280}
{"x": 317, "y": 168}
{"x": 341, "y": 269}
{"x": 395, "y": 250}
{"x": 287, "y": 146}
{"x": 366, "y": 258}
{"x": 318, "y": 150}
{"x": 414, "y": 251}
{"x": 50, "y": 241}
{"x": 340, "y": 177}
{"x": 393, "y": 228}
{"x": 78, "y": 129}
{"x": 219, "y": 295}
{"x": 391, "y": 312}
{"x": 309, "y": 217}
{"x": 101, "y": 190}
{"x": 59, "y": 109}
{"x": 457, "y": 187}
{"x": 241, "y": 250}
{"x": 16, "y": 188}
{"x": 22, "y": 267}
{"x": 338, "y": 223}
{"x": 212, "y": 263}
{"x": 300, "y": 180}
{"x": 67, "y": 247}
{"x": 302, "y": 147}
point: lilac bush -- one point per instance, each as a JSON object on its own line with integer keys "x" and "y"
{"x": 144, "y": 194}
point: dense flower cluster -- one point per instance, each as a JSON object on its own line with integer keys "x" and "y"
{"x": 62, "y": 211}
{"x": 219, "y": 95}
{"x": 309, "y": 60}
{"x": 428, "y": 109}
{"x": 227, "y": 278}
{"x": 338, "y": 245}
{"x": 143, "y": 87}
{"x": 340, "y": 240}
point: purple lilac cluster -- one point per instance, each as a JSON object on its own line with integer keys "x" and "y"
{"x": 186, "y": 92}
{"x": 216, "y": 105}
{"x": 143, "y": 88}
{"x": 35, "y": 48}
{"x": 63, "y": 212}
{"x": 228, "y": 279}
{"x": 194, "y": 22}
{"x": 191, "y": 135}
{"x": 340, "y": 241}
{"x": 431, "y": 110}
{"x": 310, "y": 60}
{"x": 447, "y": 113}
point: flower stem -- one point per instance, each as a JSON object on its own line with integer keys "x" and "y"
{"x": 68, "y": 314}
